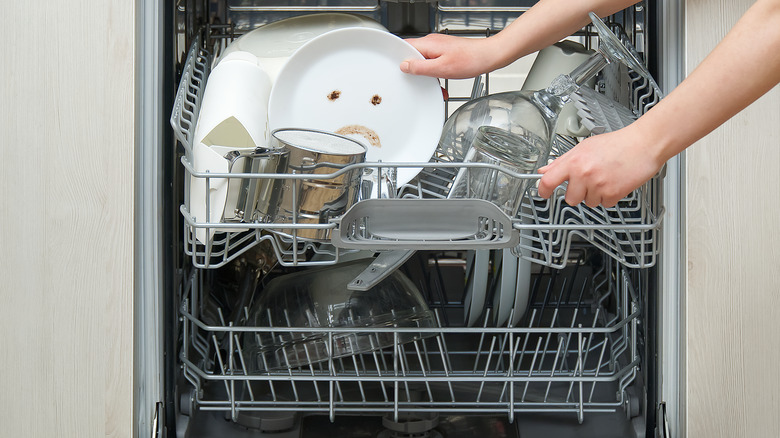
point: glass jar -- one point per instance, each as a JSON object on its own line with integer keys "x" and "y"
{"x": 518, "y": 152}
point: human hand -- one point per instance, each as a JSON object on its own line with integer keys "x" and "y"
{"x": 602, "y": 169}
{"x": 450, "y": 57}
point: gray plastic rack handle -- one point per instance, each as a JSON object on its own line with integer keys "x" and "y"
{"x": 382, "y": 224}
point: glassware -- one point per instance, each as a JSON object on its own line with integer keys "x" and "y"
{"x": 532, "y": 112}
{"x": 510, "y": 151}
{"x": 316, "y": 300}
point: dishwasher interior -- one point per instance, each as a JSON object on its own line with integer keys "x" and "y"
{"x": 572, "y": 354}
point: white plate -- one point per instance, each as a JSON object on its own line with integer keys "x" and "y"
{"x": 349, "y": 81}
{"x": 233, "y": 116}
{"x": 206, "y": 159}
{"x": 474, "y": 302}
{"x": 523, "y": 281}
{"x": 504, "y": 298}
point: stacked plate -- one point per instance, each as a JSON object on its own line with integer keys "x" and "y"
{"x": 511, "y": 288}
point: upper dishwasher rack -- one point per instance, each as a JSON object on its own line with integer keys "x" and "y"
{"x": 543, "y": 231}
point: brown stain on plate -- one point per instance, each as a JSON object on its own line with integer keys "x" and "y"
{"x": 335, "y": 94}
{"x": 369, "y": 134}
{"x": 376, "y": 100}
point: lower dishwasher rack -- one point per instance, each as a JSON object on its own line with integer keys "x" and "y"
{"x": 574, "y": 351}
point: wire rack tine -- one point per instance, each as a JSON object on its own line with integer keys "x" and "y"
{"x": 510, "y": 375}
{"x": 577, "y": 368}
{"x": 423, "y": 370}
{"x": 311, "y": 371}
{"x": 240, "y": 353}
{"x": 553, "y": 320}
{"x": 445, "y": 366}
{"x": 442, "y": 343}
{"x": 331, "y": 383}
{"x": 221, "y": 363}
{"x": 404, "y": 367}
{"x": 336, "y": 372}
{"x": 531, "y": 368}
{"x": 231, "y": 369}
{"x": 375, "y": 353}
{"x": 525, "y": 342}
{"x": 589, "y": 341}
{"x": 482, "y": 335}
{"x": 359, "y": 380}
{"x": 500, "y": 363}
{"x": 598, "y": 368}
{"x": 487, "y": 367}
{"x": 574, "y": 317}
{"x": 395, "y": 374}
{"x": 290, "y": 373}
{"x": 513, "y": 344}
{"x": 552, "y": 369}
{"x": 581, "y": 412}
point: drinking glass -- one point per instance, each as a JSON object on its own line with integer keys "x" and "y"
{"x": 507, "y": 150}
{"x": 533, "y": 113}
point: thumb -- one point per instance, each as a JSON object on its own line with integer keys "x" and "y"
{"x": 424, "y": 67}
{"x": 551, "y": 180}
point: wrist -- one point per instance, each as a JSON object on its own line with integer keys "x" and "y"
{"x": 502, "y": 50}
{"x": 658, "y": 143}
{"x": 652, "y": 146}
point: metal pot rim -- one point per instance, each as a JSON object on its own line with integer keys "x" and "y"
{"x": 362, "y": 147}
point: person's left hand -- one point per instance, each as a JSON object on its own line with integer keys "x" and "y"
{"x": 602, "y": 169}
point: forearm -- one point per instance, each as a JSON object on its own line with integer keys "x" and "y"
{"x": 546, "y": 23}
{"x": 742, "y": 67}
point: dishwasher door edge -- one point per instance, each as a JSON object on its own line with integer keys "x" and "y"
{"x": 671, "y": 314}
{"x": 149, "y": 266}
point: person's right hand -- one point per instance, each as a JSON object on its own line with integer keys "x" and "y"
{"x": 450, "y": 57}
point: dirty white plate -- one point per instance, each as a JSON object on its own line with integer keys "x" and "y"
{"x": 348, "y": 81}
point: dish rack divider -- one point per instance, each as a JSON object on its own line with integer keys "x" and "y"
{"x": 574, "y": 351}
{"x": 544, "y": 231}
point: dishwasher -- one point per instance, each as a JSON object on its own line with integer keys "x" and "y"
{"x": 575, "y": 354}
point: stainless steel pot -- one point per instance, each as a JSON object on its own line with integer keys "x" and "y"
{"x": 257, "y": 198}
{"x": 324, "y": 196}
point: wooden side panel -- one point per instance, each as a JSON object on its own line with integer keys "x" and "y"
{"x": 66, "y": 218}
{"x": 733, "y": 247}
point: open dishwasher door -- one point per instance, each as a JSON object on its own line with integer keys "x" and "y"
{"x": 546, "y": 327}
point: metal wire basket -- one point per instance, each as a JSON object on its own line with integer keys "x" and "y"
{"x": 575, "y": 350}
{"x": 543, "y": 232}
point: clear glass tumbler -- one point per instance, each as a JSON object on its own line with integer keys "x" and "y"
{"x": 510, "y": 151}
